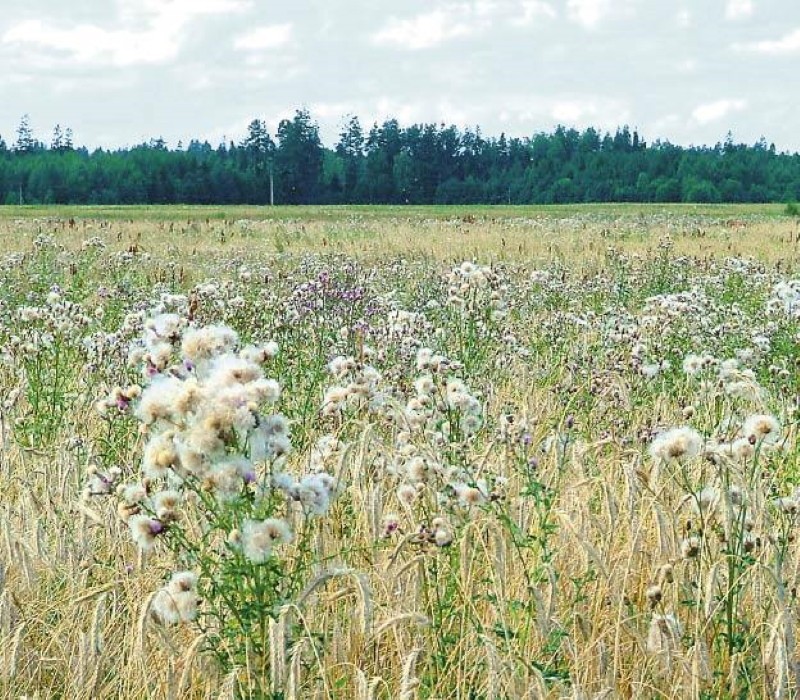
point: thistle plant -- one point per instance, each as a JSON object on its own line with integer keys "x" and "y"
{"x": 212, "y": 489}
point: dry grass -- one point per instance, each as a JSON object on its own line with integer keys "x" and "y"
{"x": 572, "y": 235}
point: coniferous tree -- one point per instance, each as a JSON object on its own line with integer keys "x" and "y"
{"x": 26, "y": 143}
{"x": 298, "y": 160}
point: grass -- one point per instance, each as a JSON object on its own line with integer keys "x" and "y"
{"x": 157, "y": 213}
{"x": 509, "y": 515}
{"x": 576, "y": 235}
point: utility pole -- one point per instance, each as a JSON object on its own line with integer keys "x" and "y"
{"x": 271, "y": 187}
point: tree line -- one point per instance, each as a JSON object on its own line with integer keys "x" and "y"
{"x": 393, "y": 164}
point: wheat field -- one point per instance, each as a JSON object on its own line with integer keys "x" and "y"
{"x": 399, "y": 453}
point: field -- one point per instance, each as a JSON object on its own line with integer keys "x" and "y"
{"x": 381, "y": 453}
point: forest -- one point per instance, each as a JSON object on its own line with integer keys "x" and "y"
{"x": 393, "y": 164}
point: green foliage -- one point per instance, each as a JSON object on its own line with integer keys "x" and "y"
{"x": 792, "y": 209}
{"x": 416, "y": 164}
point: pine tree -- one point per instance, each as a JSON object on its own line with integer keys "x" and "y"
{"x": 25, "y": 141}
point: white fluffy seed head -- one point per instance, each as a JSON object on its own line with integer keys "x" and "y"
{"x": 260, "y": 537}
{"x": 681, "y": 444}
{"x": 763, "y": 427}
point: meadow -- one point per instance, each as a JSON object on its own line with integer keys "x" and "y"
{"x": 399, "y": 452}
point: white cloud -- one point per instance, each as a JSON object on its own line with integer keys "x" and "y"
{"x": 713, "y": 111}
{"x": 382, "y": 107}
{"x": 663, "y": 124}
{"x": 88, "y": 43}
{"x": 569, "y": 111}
{"x": 453, "y": 20}
{"x": 588, "y": 13}
{"x": 585, "y": 111}
{"x": 739, "y": 9}
{"x": 684, "y": 18}
{"x": 180, "y": 11}
{"x": 530, "y": 11}
{"x": 377, "y": 110}
{"x": 334, "y": 110}
{"x": 423, "y": 31}
{"x": 263, "y": 38}
{"x": 160, "y": 42}
{"x": 482, "y": 8}
{"x": 786, "y": 44}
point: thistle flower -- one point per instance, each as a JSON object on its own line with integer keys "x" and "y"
{"x": 204, "y": 440}
{"x": 99, "y": 483}
{"x": 692, "y": 364}
{"x": 442, "y": 533}
{"x": 159, "y": 355}
{"x": 144, "y": 530}
{"x": 654, "y": 594}
{"x": 201, "y": 344}
{"x": 158, "y": 401}
{"x": 690, "y": 547}
{"x": 259, "y": 354}
{"x": 736, "y": 495}
{"x": 333, "y": 400}
{"x": 682, "y": 444}
{"x": 165, "y": 326}
{"x": 339, "y": 366}
{"x": 469, "y": 495}
{"x": 260, "y": 536}
{"x": 165, "y": 504}
{"x": 787, "y": 504}
{"x": 470, "y": 424}
{"x": 705, "y": 501}
{"x": 270, "y": 439}
{"x": 424, "y": 385}
{"x": 665, "y": 574}
{"x": 132, "y": 494}
{"x": 746, "y": 389}
{"x": 226, "y": 478}
{"x": 314, "y": 492}
{"x": 765, "y": 428}
{"x": 227, "y": 370}
{"x": 389, "y": 525}
{"x": 650, "y": 370}
{"x": 406, "y": 494}
{"x": 177, "y": 601}
{"x": 742, "y": 449}
{"x": 194, "y": 461}
{"x": 159, "y": 456}
{"x": 416, "y": 469}
{"x": 424, "y": 357}
{"x": 274, "y": 425}
{"x": 188, "y": 397}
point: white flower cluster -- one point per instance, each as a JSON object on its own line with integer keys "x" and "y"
{"x": 357, "y": 387}
{"x": 177, "y": 601}
{"x": 785, "y": 298}
{"x": 473, "y": 288}
{"x": 683, "y": 444}
{"x": 205, "y": 411}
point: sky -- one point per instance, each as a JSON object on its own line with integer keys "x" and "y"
{"x": 120, "y": 72}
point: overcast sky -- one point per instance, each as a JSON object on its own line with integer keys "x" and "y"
{"x": 119, "y": 72}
